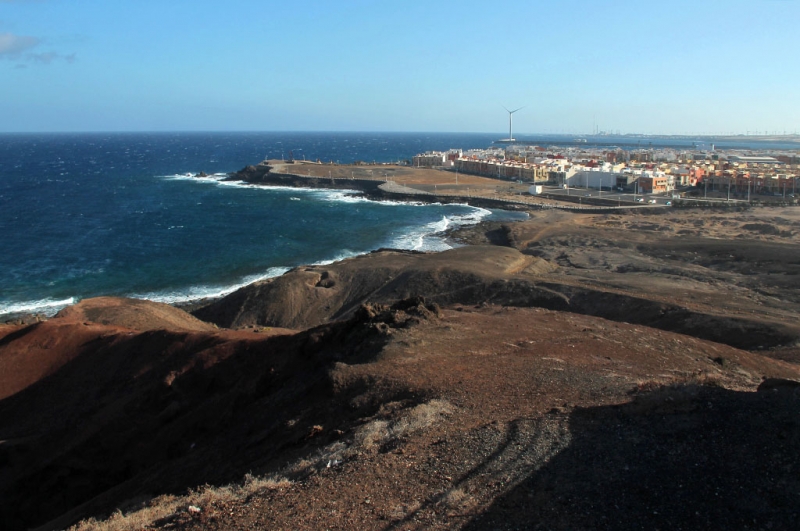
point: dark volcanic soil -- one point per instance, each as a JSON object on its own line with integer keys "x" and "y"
{"x": 636, "y": 269}
{"x": 583, "y": 372}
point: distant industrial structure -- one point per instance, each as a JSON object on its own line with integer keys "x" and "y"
{"x": 510, "y": 124}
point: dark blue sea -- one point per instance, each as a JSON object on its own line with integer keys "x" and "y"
{"x": 630, "y": 142}
{"x": 85, "y": 215}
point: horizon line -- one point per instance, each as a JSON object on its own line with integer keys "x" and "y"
{"x": 332, "y": 131}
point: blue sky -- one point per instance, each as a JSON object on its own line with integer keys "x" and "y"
{"x": 702, "y": 66}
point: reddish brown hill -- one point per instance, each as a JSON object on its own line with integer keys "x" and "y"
{"x": 137, "y": 414}
{"x": 507, "y": 417}
{"x": 133, "y": 313}
{"x": 40, "y": 349}
{"x": 68, "y": 431}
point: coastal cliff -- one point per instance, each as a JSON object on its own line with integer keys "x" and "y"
{"x": 263, "y": 174}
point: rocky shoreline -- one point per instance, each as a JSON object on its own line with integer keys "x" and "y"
{"x": 264, "y": 174}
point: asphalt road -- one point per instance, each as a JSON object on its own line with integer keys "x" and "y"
{"x": 660, "y": 199}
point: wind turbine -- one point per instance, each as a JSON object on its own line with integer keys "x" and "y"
{"x": 510, "y": 114}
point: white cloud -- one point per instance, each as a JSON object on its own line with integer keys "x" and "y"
{"x": 13, "y": 45}
{"x": 20, "y": 48}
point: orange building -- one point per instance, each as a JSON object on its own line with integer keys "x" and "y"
{"x": 652, "y": 185}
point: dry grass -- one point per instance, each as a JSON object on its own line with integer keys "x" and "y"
{"x": 372, "y": 435}
{"x": 376, "y": 433}
{"x": 367, "y": 438}
{"x": 145, "y": 516}
{"x": 454, "y": 498}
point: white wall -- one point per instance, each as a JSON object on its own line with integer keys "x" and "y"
{"x": 595, "y": 179}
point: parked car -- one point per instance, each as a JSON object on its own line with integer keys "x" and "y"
{"x": 639, "y": 200}
{"x": 668, "y": 203}
{"x": 652, "y": 201}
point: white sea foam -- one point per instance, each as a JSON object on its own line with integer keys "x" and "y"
{"x": 235, "y": 184}
{"x": 193, "y": 177}
{"x": 424, "y": 238}
{"x": 341, "y": 196}
{"x": 208, "y": 292}
{"x": 355, "y": 196}
{"x": 344, "y": 254}
{"x": 47, "y": 307}
{"x": 50, "y": 307}
{"x": 344, "y": 195}
{"x": 428, "y": 237}
{"x": 475, "y": 216}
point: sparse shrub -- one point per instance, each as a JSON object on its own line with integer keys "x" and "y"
{"x": 167, "y": 506}
{"x": 369, "y": 437}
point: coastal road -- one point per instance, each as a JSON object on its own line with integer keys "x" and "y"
{"x": 660, "y": 199}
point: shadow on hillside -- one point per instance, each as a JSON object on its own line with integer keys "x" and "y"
{"x": 158, "y": 412}
{"x": 677, "y": 458}
{"x": 680, "y": 458}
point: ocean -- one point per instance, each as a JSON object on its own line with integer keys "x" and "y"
{"x": 631, "y": 142}
{"x": 85, "y": 215}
